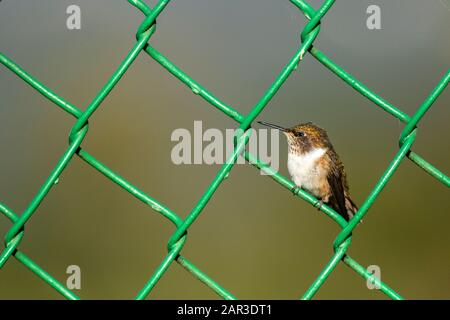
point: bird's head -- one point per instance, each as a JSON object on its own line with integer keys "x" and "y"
{"x": 303, "y": 138}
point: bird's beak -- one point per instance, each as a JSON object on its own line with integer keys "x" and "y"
{"x": 273, "y": 126}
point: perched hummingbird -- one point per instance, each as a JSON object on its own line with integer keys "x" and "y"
{"x": 315, "y": 167}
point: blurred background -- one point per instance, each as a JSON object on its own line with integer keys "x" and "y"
{"x": 257, "y": 247}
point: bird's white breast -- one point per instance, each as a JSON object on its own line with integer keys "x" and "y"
{"x": 304, "y": 170}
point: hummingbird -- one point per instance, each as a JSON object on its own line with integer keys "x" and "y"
{"x": 315, "y": 167}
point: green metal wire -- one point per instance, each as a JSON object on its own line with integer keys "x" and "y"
{"x": 177, "y": 240}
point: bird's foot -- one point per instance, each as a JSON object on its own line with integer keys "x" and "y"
{"x": 295, "y": 190}
{"x": 318, "y": 204}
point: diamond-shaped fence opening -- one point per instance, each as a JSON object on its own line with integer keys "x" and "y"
{"x": 177, "y": 240}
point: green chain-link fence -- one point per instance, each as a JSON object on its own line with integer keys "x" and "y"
{"x": 178, "y": 238}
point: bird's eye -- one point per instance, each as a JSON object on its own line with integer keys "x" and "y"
{"x": 300, "y": 134}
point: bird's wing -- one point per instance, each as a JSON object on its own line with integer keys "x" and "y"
{"x": 337, "y": 189}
